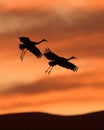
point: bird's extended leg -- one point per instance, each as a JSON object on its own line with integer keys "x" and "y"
{"x": 22, "y": 54}
{"x": 49, "y": 69}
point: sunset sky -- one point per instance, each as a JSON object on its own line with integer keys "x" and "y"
{"x": 72, "y": 27}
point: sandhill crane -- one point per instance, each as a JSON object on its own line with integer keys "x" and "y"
{"x": 57, "y": 60}
{"x": 27, "y": 44}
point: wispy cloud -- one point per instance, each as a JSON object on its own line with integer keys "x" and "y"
{"x": 80, "y": 30}
{"x": 77, "y": 21}
{"x": 57, "y": 83}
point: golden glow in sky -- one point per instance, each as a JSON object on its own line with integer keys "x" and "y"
{"x": 72, "y": 28}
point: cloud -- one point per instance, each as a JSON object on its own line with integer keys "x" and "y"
{"x": 63, "y": 21}
{"x": 80, "y": 30}
{"x": 56, "y": 83}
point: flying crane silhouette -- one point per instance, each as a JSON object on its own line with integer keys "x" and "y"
{"x": 27, "y": 44}
{"x": 57, "y": 60}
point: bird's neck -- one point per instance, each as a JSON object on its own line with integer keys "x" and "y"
{"x": 70, "y": 58}
{"x": 38, "y": 42}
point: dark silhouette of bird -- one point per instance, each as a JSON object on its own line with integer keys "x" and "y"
{"x": 27, "y": 44}
{"x": 57, "y": 60}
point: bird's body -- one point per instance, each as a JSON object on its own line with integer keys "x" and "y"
{"x": 57, "y": 60}
{"x": 63, "y": 63}
{"x": 27, "y": 44}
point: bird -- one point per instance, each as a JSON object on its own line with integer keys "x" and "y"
{"x": 27, "y": 44}
{"x": 57, "y": 60}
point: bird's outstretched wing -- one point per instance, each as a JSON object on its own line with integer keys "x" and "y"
{"x": 34, "y": 50}
{"x": 50, "y": 55}
{"x": 68, "y": 65}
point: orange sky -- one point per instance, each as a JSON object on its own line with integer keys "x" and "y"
{"x": 72, "y": 28}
